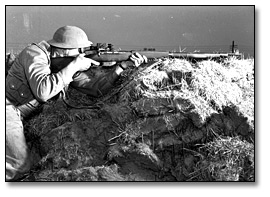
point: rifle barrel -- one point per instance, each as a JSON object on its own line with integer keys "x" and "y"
{"x": 198, "y": 55}
{"x": 124, "y": 55}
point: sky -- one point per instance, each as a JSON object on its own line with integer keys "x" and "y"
{"x": 188, "y": 28}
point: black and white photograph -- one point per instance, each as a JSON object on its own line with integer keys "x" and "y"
{"x": 130, "y": 93}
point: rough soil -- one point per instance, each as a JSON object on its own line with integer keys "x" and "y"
{"x": 171, "y": 121}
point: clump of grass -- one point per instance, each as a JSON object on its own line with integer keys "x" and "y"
{"x": 230, "y": 159}
{"x": 52, "y": 115}
{"x": 127, "y": 143}
{"x": 154, "y": 80}
{"x": 159, "y": 77}
{"x": 89, "y": 173}
{"x": 240, "y": 69}
{"x": 177, "y": 65}
{"x": 242, "y": 74}
{"x": 212, "y": 82}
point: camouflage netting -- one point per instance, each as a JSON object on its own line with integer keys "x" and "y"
{"x": 169, "y": 121}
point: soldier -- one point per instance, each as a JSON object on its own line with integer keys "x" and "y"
{"x": 30, "y": 83}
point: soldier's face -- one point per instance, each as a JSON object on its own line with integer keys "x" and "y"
{"x": 59, "y": 52}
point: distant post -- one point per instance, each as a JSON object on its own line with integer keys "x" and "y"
{"x": 233, "y": 47}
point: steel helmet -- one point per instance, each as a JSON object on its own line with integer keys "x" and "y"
{"x": 69, "y": 37}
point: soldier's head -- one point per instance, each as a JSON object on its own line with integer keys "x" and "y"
{"x": 68, "y": 41}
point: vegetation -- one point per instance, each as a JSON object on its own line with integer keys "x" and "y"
{"x": 171, "y": 120}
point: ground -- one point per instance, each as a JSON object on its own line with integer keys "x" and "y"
{"x": 170, "y": 120}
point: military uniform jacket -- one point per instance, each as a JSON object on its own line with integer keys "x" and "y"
{"x": 30, "y": 77}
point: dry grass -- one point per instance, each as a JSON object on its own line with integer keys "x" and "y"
{"x": 230, "y": 159}
{"x": 210, "y": 86}
{"x": 164, "y": 105}
{"x": 212, "y": 82}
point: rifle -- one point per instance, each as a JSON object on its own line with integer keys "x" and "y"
{"x": 104, "y": 52}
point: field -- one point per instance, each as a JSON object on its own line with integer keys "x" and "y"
{"x": 171, "y": 120}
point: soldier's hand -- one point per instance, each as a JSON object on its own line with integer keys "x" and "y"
{"x": 82, "y": 63}
{"x": 138, "y": 59}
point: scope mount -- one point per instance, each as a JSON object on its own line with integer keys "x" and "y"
{"x": 102, "y": 47}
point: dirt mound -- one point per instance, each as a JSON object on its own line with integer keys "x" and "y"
{"x": 168, "y": 121}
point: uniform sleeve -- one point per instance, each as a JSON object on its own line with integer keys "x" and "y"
{"x": 42, "y": 82}
{"x": 95, "y": 83}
